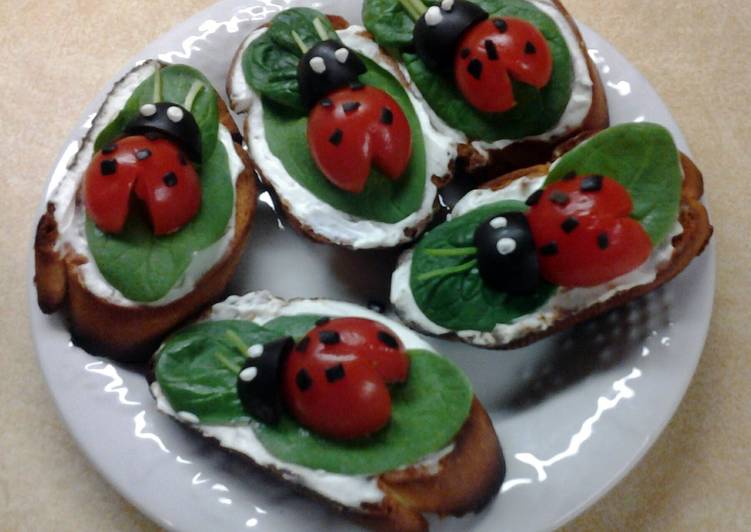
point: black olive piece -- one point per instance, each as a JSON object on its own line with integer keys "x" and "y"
{"x": 334, "y": 373}
{"x": 185, "y": 132}
{"x": 534, "y": 198}
{"x": 108, "y": 166}
{"x": 109, "y": 148}
{"x": 322, "y": 321}
{"x": 592, "y": 183}
{"x": 170, "y": 179}
{"x": 329, "y": 337}
{"x": 313, "y": 85}
{"x": 506, "y": 254}
{"x": 436, "y": 45}
{"x": 388, "y": 340}
{"x": 261, "y": 396}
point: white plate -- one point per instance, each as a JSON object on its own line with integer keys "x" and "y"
{"x": 574, "y": 412}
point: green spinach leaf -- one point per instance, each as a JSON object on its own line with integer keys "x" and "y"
{"x": 143, "y": 266}
{"x": 644, "y": 159}
{"x": 176, "y": 83}
{"x": 462, "y": 301}
{"x": 295, "y": 326}
{"x": 193, "y": 369}
{"x": 427, "y": 413}
{"x": 536, "y": 111}
{"x": 383, "y": 199}
{"x": 270, "y": 62}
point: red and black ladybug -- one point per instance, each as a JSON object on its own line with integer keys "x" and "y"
{"x": 351, "y": 126}
{"x": 485, "y": 54}
{"x": 151, "y": 162}
{"x": 334, "y": 381}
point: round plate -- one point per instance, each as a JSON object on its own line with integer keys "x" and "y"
{"x": 574, "y": 412}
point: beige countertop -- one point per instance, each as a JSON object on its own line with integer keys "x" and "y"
{"x": 57, "y": 55}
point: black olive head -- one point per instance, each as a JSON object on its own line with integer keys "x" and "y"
{"x": 438, "y": 31}
{"x": 506, "y": 254}
{"x": 326, "y": 67}
{"x": 259, "y": 381}
{"x": 171, "y": 120}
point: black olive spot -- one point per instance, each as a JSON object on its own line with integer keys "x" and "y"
{"x": 326, "y": 102}
{"x": 356, "y": 86}
{"x": 108, "y": 166}
{"x": 602, "y": 241}
{"x": 475, "y": 68}
{"x": 501, "y": 25}
{"x": 388, "y": 340}
{"x": 303, "y": 380}
{"x": 181, "y": 158}
{"x": 592, "y": 183}
{"x": 529, "y": 48}
{"x": 569, "y": 176}
{"x": 465, "y": 53}
{"x": 491, "y": 50}
{"x": 109, "y": 148}
{"x": 143, "y": 154}
{"x": 323, "y": 321}
{"x": 377, "y": 306}
{"x": 335, "y": 373}
{"x": 170, "y": 179}
{"x": 569, "y": 224}
{"x": 329, "y": 337}
{"x": 549, "y": 249}
{"x": 336, "y": 137}
{"x": 559, "y": 198}
{"x": 534, "y": 198}
{"x": 387, "y": 117}
{"x": 303, "y": 345}
{"x": 237, "y": 137}
{"x": 350, "y": 107}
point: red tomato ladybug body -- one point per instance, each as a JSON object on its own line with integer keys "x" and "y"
{"x": 356, "y": 128}
{"x": 583, "y": 231}
{"x": 155, "y": 170}
{"x": 334, "y": 381}
{"x": 494, "y": 51}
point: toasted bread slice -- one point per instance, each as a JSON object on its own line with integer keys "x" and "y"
{"x": 693, "y": 238}
{"x": 341, "y": 229}
{"x": 462, "y": 479}
{"x": 131, "y": 332}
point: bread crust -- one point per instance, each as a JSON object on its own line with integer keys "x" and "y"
{"x": 131, "y": 334}
{"x": 480, "y": 167}
{"x": 410, "y": 233}
{"x": 692, "y": 241}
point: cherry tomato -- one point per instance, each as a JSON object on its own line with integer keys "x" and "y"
{"x": 156, "y": 171}
{"x": 493, "y": 52}
{"x": 356, "y": 128}
{"x": 583, "y": 231}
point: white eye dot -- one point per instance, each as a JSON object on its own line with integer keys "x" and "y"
{"x": 506, "y": 246}
{"x": 255, "y": 351}
{"x": 318, "y": 65}
{"x": 148, "y": 110}
{"x": 498, "y": 223}
{"x": 175, "y": 114}
{"x": 248, "y": 374}
{"x": 433, "y": 16}
{"x": 342, "y": 54}
{"x": 447, "y": 5}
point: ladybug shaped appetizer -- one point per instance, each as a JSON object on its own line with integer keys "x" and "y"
{"x": 486, "y": 54}
{"x": 335, "y": 132}
{"x": 352, "y": 410}
{"x": 351, "y": 127}
{"x": 150, "y": 162}
{"x": 544, "y": 248}
{"x": 507, "y": 80}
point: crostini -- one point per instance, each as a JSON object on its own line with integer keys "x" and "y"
{"x": 506, "y": 80}
{"x": 348, "y": 152}
{"x": 148, "y": 222}
{"x": 340, "y": 401}
{"x": 546, "y": 247}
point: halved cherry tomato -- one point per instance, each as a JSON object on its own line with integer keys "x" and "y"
{"x": 155, "y": 170}
{"x": 494, "y": 51}
{"x": 354, "y": 129}
{"x": 583, "y": 232}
